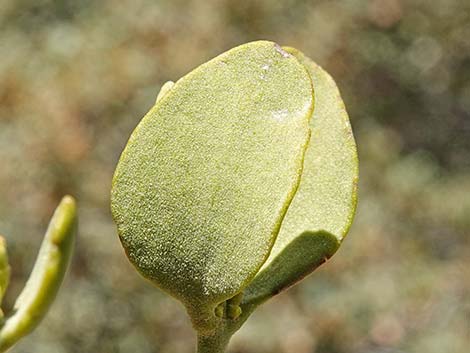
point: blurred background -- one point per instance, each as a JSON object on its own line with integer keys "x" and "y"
{"x": 77, "y": 76}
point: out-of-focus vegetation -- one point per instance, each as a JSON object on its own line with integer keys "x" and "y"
{"x": 77, "y": 76}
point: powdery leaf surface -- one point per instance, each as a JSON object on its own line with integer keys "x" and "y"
{"x": 323, "y": 208}
{"x": 206, "y": 178}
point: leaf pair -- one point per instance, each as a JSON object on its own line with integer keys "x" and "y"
{"x": 45, "y": 279}
{"x": 241, "y": 178}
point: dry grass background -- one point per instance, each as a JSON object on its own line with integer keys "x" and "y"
{"x": 77, "y": 76}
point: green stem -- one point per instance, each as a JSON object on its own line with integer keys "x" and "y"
{"x": 223, "y": 330}
{"x": 212, "y": 344}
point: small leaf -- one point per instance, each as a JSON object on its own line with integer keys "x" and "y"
{"x": 206, "y": 178}
{"x": 46, "y": 277}
{"x": 167, "y": 86}
{"x": 323, "y": 208}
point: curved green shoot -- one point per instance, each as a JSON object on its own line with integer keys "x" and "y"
{"x": 46, "y": 277}
{"x": 4, "y": 272}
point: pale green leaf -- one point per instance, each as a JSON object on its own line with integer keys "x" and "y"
{"x": 323, "y": 208}
{"x": 205, "y": 180}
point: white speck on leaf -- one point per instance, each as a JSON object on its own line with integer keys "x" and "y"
{"x": 281, "y": 51}
{"x": 280, "y": 115}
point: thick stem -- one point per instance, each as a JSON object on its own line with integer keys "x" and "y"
{"x": 212, "y": 344}
{"x": 224, "y": 329}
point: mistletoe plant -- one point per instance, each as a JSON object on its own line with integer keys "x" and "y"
{"x": 45, "y": 279}
{"x": 239, "y": 182}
